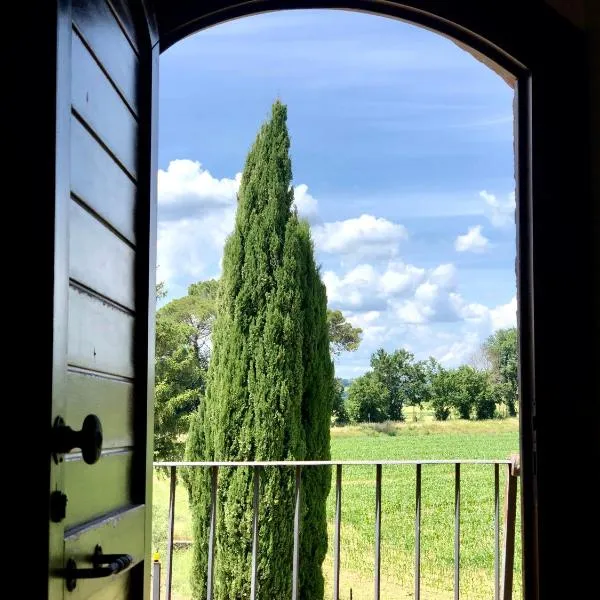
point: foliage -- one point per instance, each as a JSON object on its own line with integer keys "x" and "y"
{"x": 207, "y": 290}
{"x": 395, "y": 380}
{"x": 161, "y": 290}
{"x": 270, "y": 387}
{"x": 501, "y": 348}
{"x": 342, "y": 336}
{"x": 473, "y": 393}
{"x": 443, "y": 389}
{"x": 339, "y": 412}
{"x": 179, "y": 384}
{"x": 368, "y": 399}
{"x": 391, "y": 370}
{"x": 182, "y": 352}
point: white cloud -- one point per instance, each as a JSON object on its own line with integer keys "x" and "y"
{"x": 365, "y": 236}
{"x": 196, "y": 214}
{"x": 364, "y": 288}
{"x": 452, "y": 344}
{"x": 400, "y": 278}
{"x": 500, "y": 213}
{"x": 307, "y": 205}
{"x": 415, "y": 295}
{"x": 395, "y": 303}
{"x": 504, "y": 315}
{"x": 444, "y": 275}
{"x": 456, "y": 349}
{"x": 472, "y": 241}
{"x": 187, "y": 190}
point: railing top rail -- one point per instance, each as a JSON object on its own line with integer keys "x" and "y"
{"x": 321, "y": 463}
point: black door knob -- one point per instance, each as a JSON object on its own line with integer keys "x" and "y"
{"x": 88, "y": 438}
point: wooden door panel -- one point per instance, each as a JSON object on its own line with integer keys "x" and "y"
{"x": 105, "y": 236}
{"x": 96, "y": 24}
{"x": 119, "y": 533}
{"x": 99, "y": 259}
{"x": 110, "y": 399}
{"x": 100, "y": 335}
{"x": 122, "y": 11}
{"x": 95, "y": 490}
{"x": 100, "y": 106}
{"x": 99, "y": 182}
{"x": 116, "y": 588}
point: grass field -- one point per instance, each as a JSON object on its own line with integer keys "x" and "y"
{"x": 424, "y": 439}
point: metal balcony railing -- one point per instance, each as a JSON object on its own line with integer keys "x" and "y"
{"x": 503, "y": 558}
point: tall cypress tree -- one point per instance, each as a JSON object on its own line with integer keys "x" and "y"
{"x": 269, "y": 388}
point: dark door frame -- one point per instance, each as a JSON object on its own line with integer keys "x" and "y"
{"x": 543, "y": 53}
{"x": 557, "y": 301}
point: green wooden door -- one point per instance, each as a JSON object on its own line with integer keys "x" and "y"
{"x": 104, "y": 300}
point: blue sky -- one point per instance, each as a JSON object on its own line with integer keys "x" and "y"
{"x": 402, "y": 150}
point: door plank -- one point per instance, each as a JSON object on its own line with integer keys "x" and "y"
{"x": 95, "y": 490}
{"x": 122, "y": 10}
{"x": 119, "y": 533}
{"x": 99, "y": 259}
{"x": 110, "y": 399}
{"x": 117, "y": 588}
{"x": 99, "y": 181}
{"x": 101, "y": 107}
{"x": 100, "y": 29}
{"x": 100, "y": 335}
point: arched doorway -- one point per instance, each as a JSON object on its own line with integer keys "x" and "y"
{"x": 539, "y": 48}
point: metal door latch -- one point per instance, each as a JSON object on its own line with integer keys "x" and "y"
{"x": 104, "y": 565}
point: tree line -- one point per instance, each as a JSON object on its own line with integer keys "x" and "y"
{"x": 396, "y": 380}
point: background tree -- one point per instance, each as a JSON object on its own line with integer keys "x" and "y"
{"x": 485, "y": 403}
{"x": 198, "y": 310}
{"x": 396, "y": 372}
{"x": 368, "y": 399}
{"x": 179, "y": 384}
{"x": 417, "y": 387}
{"x": 182, "y": 353}
{"x": 442, "y": 389}
{"x": 472, "y": 392}
{"x": 161, "y": 290}
{"x": 339, "y": 412}
{"x": 342, "y": 336}
{"x": 270, "y": 387}
{"x": 501, "y": 348}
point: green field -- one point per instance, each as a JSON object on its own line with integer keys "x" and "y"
{"x": 425, "y": 439}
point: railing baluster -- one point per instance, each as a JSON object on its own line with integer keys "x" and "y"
{"x": 169, "y": 569}
{"x": 503, "y": 547}
{"x": 457, "y": 531}
{"x": 214, "y": 473}
{"x": 156, "y": 578}
{"x": 496, "y": 531}
{"x": 377, "y": 531}
{"x": 510, "y": 515}
{"x": 336, "y": 539}
{"x": 418, "y": 535}
{"x": 296, "y": 558}
{"x": 254, "y": 533}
